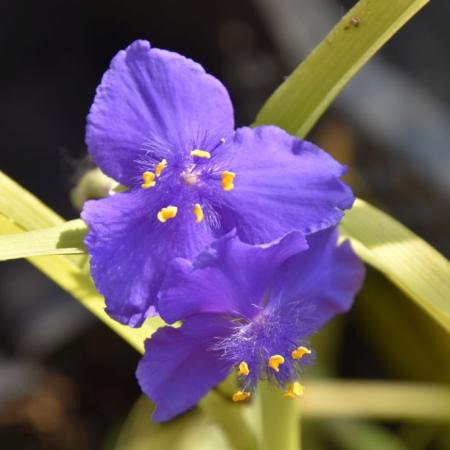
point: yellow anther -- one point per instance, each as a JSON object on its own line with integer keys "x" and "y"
{"x": 243, "y": 369}
{"x": 198, "y": 211}
{"x": 227, "y": 180}
{"x": 299, "y": 352}
{"x": 240, "y": 396}
{"x": 275, "y": 361}
{"x": 201, "y": 153}
{"x": 294, "y": 390}
{"x": 149, "y": 180}
{"x": 160, "y": 167}
{"x": 167, "y": 213}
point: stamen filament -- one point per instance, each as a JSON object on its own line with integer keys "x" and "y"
{"x": 160, "y": 167}
{"x": 275, "y": 362}
{"x": 201, "y": 153}
{"x": 198, "y": 211}
{"x": 167, "y": 213}
{"x": 227, "y": 180}
{"x": 240, "y": 396}
{"x": 299, "y": 352}
{"x": 149, "y": 180}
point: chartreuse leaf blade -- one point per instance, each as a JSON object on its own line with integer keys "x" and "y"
{"x": 71, "y": 277}
{"x": 66, "y": 238}
{"x": 402, "y": 256}
{"x": 23, "y": 208}
{"x": 21, "y": 211}
{"x": 297, "y": 104}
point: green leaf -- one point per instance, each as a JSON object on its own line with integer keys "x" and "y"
{"x": 23, "y": 208}
{"x": 387, "y": 401}
{"x": 299, "y": 102}
{"x": 408, "y": 261}
{"x": 61, "y": 239}
{"x": 21, "y": 211}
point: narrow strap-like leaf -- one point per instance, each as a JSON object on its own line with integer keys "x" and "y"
{"x": 65, "y": 239}
{"x": 405, "y": 258}
{"x": 21, "y": 211}
{"x": 298, "y": 103}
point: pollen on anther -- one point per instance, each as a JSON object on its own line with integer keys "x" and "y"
{"x": 227, "y": 180}
{"x": 294, "y": 390}
{"x": 198, "y": 211}
{"x": 159, "y": 168}
{"x": 167, "y": 213}
{"x": 299, "y": 352}
{"x": 275, "y": 362}
{"x": 201, "y": 153}
{"x": 149, "y": 180}
{"x": 243, "y": 369}
{"x": 240, "y": 396}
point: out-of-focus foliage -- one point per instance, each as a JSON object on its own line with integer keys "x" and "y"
{"x": 190, "y": 431}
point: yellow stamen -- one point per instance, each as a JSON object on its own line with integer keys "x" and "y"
{"x": 243, "y": 369}
{"x": 294, "y": 390}
{"x": 240, "y": 396}
{"x": 299, "y": 352}
{"x": 201, "y": 153}
{"x": 160, "y": 167}
{"x": 149, "y": 180}
{"x": 275, "y": 361}
{"x": 167, "y": 213}
{"x": 198, "y": 211}
{"x": 227, "y": 180}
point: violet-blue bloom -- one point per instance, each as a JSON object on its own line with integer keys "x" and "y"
{"x": 245, "y": 308}
{"x": 164, "y": 128}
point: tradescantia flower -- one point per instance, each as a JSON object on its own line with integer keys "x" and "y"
{"x": 248, "y": 309}
{"x": 164, "y": 128}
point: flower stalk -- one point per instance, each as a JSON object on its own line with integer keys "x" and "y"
{"x": 280, "y": 419}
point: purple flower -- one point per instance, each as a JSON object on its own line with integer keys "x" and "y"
{"x": 164, "y": 128}
{"x": 245, "y": 308}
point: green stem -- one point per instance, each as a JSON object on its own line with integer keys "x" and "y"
{"x": 280, "y": 419}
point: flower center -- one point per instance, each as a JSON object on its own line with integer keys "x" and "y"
{"x": 189, "y": 177}
{"x": 264, "y": 348}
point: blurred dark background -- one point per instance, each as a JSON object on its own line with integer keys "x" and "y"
{"x": 66, "y": 381}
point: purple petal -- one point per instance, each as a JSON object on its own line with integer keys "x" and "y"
{"x": 229, "y": 278}
{"x": 320, "y": 282}
{"x": 152, "y": 100}
{"x": 130, "y": 249}
{"x": 180, "y": 366}
{"x": 282, "y": 184}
